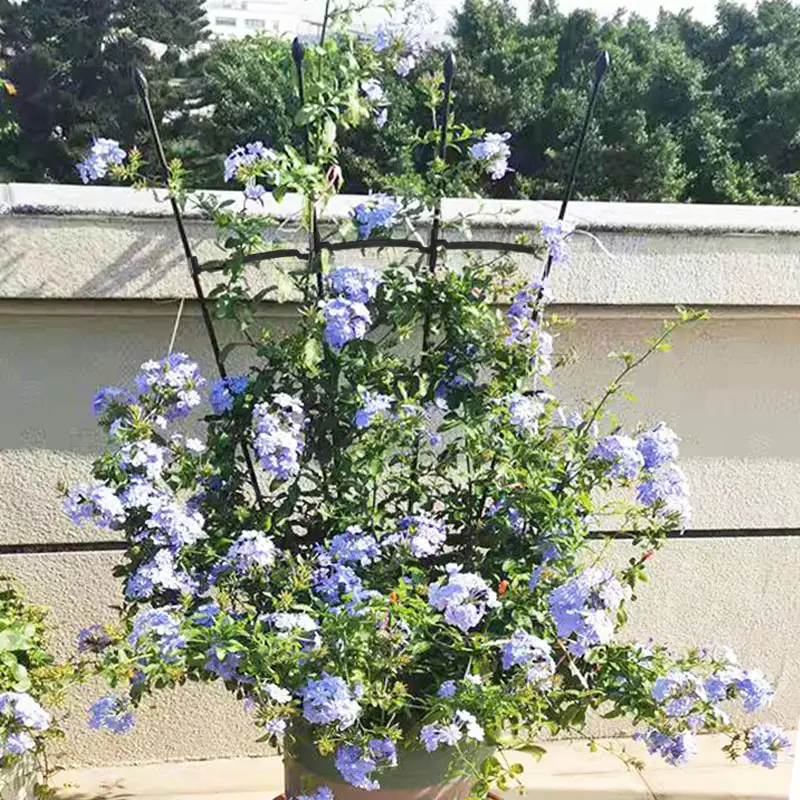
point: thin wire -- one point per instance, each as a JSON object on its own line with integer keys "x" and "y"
{"x": 176, "y": 326}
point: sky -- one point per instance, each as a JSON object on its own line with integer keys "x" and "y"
{"x": 703, "y": 9}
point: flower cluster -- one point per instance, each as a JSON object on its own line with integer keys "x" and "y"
{"x": 242, "y": 161}
{"x": 22, "y": 718}
{"x": 423, "y": 535}
{"x": 357, "y": 284}
{"x": 463, "y": 725}
{"x": 374, "y": 406}
{"x": 381, "y": 212}
{"x": 278, "y": 435}
{"x": 225, "y": 391}
{"x": 584, "y": 608}
{"x": 494, "y": 152}
{"x": 330, "y": 700}
{"x": 465, "y": 598}
{"x": 356, "y": 764}
{"x": 404, "y": 39}
{"x": 103, "y": 154}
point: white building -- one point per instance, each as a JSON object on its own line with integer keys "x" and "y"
{"x": 232, "y": 19}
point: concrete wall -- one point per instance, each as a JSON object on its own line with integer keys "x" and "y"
{"x": 89, "y": 281}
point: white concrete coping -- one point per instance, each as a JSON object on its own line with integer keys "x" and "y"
{"x": 60, "y": 200}
{"x": 81, "y": 243}
{"x": 567, "y": 772}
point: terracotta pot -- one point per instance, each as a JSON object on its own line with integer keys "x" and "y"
{"x": 418, "y": 776}
{"x": 18, "y": 782}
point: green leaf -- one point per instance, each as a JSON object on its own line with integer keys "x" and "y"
{"x": 537, "y": 751}
{"x": 312, "y": 354}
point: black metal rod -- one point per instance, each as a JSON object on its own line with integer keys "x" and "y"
{"x": 143, "y": 91}
{"x": 55, "y": 548}
{"x": 601, "y": 68}
{"x": 449, "y": 73}
{"x": 314, "y": 239}
{"x": 377, "y": 244}
{"x": 325, "y": 20}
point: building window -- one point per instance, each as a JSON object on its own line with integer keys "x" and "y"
{"x": 255, "y": 24}
{"x": 225, "y": 22}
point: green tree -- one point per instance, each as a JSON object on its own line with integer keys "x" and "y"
{"x": 71, "y": 61}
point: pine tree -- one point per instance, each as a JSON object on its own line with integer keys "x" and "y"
{"x": 71, "y": 63}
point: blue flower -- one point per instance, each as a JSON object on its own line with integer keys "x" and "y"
{"x": 23, "y": 709}
{"x": 532, "y": 652}
{"x": 335, "y": 582}
{"x": 249, "y": 156}
{"x": 555, "y": 235}
{"x": 678, "y": 691}
{"x": 379, "y": 212}
{"x": 15, "y": 744}
{"x": 279, "y": 439}
{"x": 755, "y": 691}
{"x": 585, "y": 607}
{"x": 356, "y": 765}
{"x": 161, "y": 626}
{"x": 112, "y": 713}
{"x": 160, "y": 573}
{"x": 521, "y": 322}
{"x": 226, "y": 666}
{"x": 463, "y": 724}
{"x": 103, "y": 154}
{"x": 447, "y": 689}
{"x": 107, "y": 397}
{"x": 764, "y": 744}
{"x": 206, "y": 615}
{"x": 93, "y": 639}
{"x": 144, "y": 455}
{"x": 330, "y": 700}
{"x": 173, "y": 382}
{"x": 718, "y": 685}
{"x": 494, "y": 153}
{"x": 658, "y": 446}
{"x": 345, "y": 321}
{"x": 524, "y": 413}
{"x": 320, "y": 793}
{"x": 252, "y": 550}
{"x": 98, "y": 504}
{"x": 374, "y": 92}
{"x": 622, "y": 455}
{"x": 354, "y": 547}
{"x": 465, "y": 599}
{"x": 374, "y": 405}
{"x": 675, "y": 750}
{"x": 276, "y": 727}
{"x": 667, "y": 487}
{"x": 358, "y": 284}
{"x": 422, "y": 534}
{"x": 225, "y": 391}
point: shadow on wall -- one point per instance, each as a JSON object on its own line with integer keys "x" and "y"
{"x": 109, "y": 791}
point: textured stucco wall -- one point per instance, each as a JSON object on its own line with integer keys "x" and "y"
{"x": 87, "y": 292}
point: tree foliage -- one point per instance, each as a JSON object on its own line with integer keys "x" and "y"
{"x": 71, "y": 61}
{"x": 690, "y": 112}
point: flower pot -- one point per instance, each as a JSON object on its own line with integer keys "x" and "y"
{"x": 418, "y": 776}
{"x": 18, "y": 781}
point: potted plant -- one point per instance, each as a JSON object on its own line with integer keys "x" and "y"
{"x": 31, "y": 684}
{"x": 380, "y": 537}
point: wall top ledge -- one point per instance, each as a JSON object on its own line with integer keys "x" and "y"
{"x": 108, "y": 201}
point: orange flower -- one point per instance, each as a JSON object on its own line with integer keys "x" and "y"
{"x": 502, "y": 587}
{"x": 393, "y": 598}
